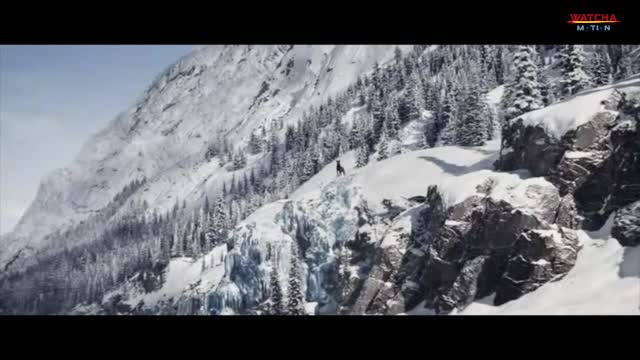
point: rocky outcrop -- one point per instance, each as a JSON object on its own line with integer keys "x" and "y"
{"x": 566, "y": 216}
{"x": 626, "y": 225}
{"x": 538, "y": 256}
{"x": 597, "y": 163}
{"x": 482, "y": 245}
{"x": 527, "y": 147}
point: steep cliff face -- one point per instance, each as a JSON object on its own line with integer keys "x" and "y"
{"x": 587, "y": 147}
{"x": 215, "y": 92}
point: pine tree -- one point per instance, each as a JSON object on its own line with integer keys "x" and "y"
{"x": 307, "y": 170}
{"x": 239, "y": 160}
{"x": 232, "y": 189}
{"x": 177, "y": 242}
{"x": 392, "y": 120}
{"x": 489, "y": 117}
{"x": 574, "y": 78}
{"x": 275, "y": 297}
{"x": 546, "y": 89}
{"x": 210, "y": 230}
{"x": 255, "y": 144}
{"x": 295, "y": 294}
{"x": 362, "y": 156}
{"x": 447, "y": 121}
{"x": 498, "y": 65}
{"x": 207, "y": 206}
{"x": 472, "y": 128}
{"x": 383, "y": 151}
{"x": 203, "y": 223}
{"x": 398, "y": 75}
{"x": 624, "y": 68}
{"x": 397, "y": 55}
{"x": 219, "y": 222}
{"x": 600, "y": 67}
{"x": 525, "y": 89}
{"x": 412, "y": 101}
{"x": 245, "y": 184}
{"x": 274, "y": 150}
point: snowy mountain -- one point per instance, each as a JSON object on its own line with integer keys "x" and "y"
{"x": 217, "y": 91}
{"x": 479, "y": 179}
{"x": 359, "y": 236}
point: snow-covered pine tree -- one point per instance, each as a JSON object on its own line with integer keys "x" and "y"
{"x": 220, "y": 222}
{"x": 206, "y": 207}
{"x": 295, "y": 292}
{"x": 447, "y": 121}
{"x": 397, "y": 55}
{"x": 601, "y": 67}
{"x": 203, "y": 223}
{"x": 196, "y": 248}
{"x": 307, "y": 170}
{"x": 498, "y": 65}
{"x": 255, "y": 144}
{"x": 524, "y": 93}
{"x": 356, "y": 135}
{"x": 472, "y": 126}
{"x": 412, "y": 100}
{"x": 392, "y": 120}
{"x": 274, "y": 150}
{"x": 239, "y": 160}
{"x": 383, "y": 150}
{"x": 210, "y": 231}
{"x": 489, "y": 117}
{"x": 275, "y": 294}
{"x": 248, "y": 186}
{"x": 362, "y": 156}
{"x": 546, "y": 88}
{"x": 232, "y": 189}
{"x": 177, "y": 241}
{"x": 574, "y": 78}
{"x": 624, "y": 68}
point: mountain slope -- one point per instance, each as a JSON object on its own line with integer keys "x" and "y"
{"x": 429, "y": 231}
{"x": 358, "y": 234}
{"x": 218, "y": 91}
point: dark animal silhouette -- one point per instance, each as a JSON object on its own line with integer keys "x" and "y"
{"x": 340, "y": 169}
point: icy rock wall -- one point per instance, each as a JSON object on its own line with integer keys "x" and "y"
{"x": 319, "y": 226}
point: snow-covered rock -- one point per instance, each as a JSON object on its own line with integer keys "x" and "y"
{"x": 587, "y": 146}
{"x": 626, "y": 225}
{"x": 604, "y": 281}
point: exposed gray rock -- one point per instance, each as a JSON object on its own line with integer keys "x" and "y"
{"x": 465, "y": 287}
{"x": 538, "y": 257}
{"x": 531, "y": 148}
{"x": 598, "y": 162}
{"x": 464, "y": 209}
{"x": 498, "y": 226}
{"x": 567, "y": 213}
{"x": 572, "y": 172}
{"x": 626, "y": 225}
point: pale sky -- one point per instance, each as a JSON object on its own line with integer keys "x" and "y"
{"x": 52, "y": 98}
